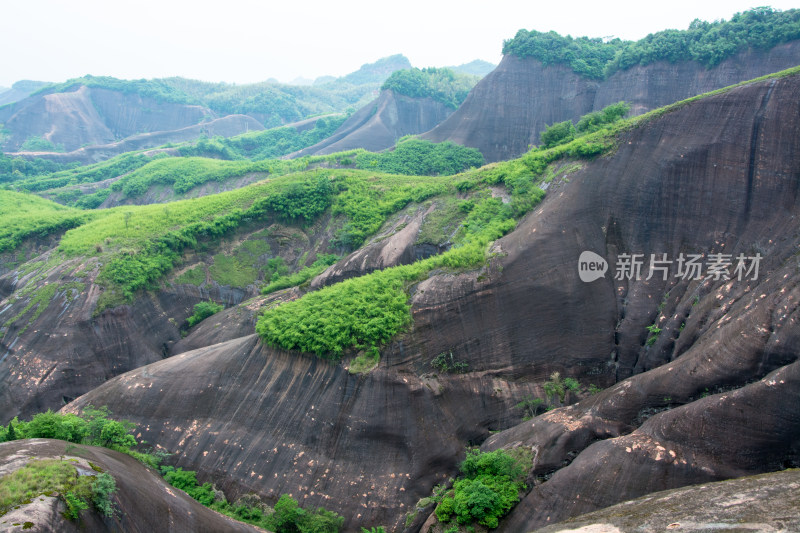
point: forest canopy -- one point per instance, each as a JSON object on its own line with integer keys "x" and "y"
{"x": 441, "y": 84}
{"x": 707, "y": 43}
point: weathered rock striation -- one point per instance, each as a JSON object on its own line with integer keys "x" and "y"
{"x": 505, "y": 112}
{"x": 713, "y": 396}
{"x": 379, "y": 124}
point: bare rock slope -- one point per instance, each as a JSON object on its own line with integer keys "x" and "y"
{"x": 767, "y": 502}
{"x": 713, "y": 396}
{"x": 505, "y": 112}
{"x": 379, "y": 124}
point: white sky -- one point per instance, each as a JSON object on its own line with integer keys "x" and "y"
{"x": 242, "y": 41}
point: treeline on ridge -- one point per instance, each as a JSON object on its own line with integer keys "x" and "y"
{"x": 707, "y": 43}
{"x": 441, "y": 84}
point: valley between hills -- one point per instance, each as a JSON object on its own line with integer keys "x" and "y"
{"x": 360, "y": 304}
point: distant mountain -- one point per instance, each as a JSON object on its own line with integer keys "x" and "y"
{"x": 324, "y": 79}
{"x": 378, "y": 71}
{"x": 477, "y": 67}
{"x": 103, "y": 111}
{"x": 18, "y": 91}
{"x": 301, "y": 81}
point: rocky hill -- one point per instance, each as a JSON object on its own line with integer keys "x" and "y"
{"x": 699, "y": 376}
{"x": 92, "y": 115}
{"x": 411, "y": 101}
{"x": 19, "y": 90}
{"x": 378, "y": 125}
{"x": 505, "y": 113}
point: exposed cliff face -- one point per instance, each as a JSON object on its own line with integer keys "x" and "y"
{"x": 506, "y": 111}
{"x": 143, "y": 501}
{"x": 717, "y": 175}
{"x": 379, "y": 124}
{"x": 54, "y": 346}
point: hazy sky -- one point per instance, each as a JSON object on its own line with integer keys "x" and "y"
{"x": 245, "y": 41}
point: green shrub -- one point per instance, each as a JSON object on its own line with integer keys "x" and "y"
{"x": 283, "y": 281}
{"x": 597, "y": 119}
{"x": 488, "y": 489}
{"x": 48, "y": 476}
{"x": 445, "y": 362}
{"x": 102, "y": 489}
{"x": 558, "y": 133}
{"x": 40, "y": 144}
{"x": 202, "y": 311}
{"x": 418, "y": 157}
{"x": 74, "y": 505}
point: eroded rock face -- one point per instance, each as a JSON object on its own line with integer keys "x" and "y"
{"x": 92, "y": 116}
{"x": 143, "y": 500}
{"x": 717, "y": 175}
{"x": 505, "y": 112}
{"x": 379, "y": 124}
{"x": 768, "y": 502}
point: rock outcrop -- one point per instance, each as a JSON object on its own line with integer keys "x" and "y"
{"x": 713, "y": 395}
{"x": 143, "y": 501}
{"x": 379, "y": 124}
{"x": 505, "y": 112}
{"x": 768, "y": 502}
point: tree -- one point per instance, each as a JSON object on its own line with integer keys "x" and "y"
{"x": 558, "y": 133}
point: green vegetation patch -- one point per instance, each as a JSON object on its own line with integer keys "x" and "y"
{"x": 155, "y": 89}
{"x": 193, "y": 276}
{"x": 266, "y": 144}
{"x": 230, "y": 270}
{"x": 440, "y": 225}
{"x": 564, "y": 132}
{"x": 298, "y": 278}
{"x": 202, "y": 311}
{"x": 111, "y": 168}
{"x": 441, "y": 84}
{"x": 488, "y": 488}
{"x": 40, "y": 144}
{"x": 365, "y": 312}
{"x": 422, "y": 158}
{"x": 286, "y": 517}
{"x": 27, "y": 216}
{"x": 708, "y": 43}
{"x": 50, "y": 476}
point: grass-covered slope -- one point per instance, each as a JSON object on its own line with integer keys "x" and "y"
{"x": 707, "y": 43}
{"x": 25, "y": 216}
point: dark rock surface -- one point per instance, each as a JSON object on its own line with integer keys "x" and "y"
{"x": 505, "y": 112}
{"x": 143, "y": 502}
{"x": 767, "y": 502}
{"x": 714, "y": 396}
{"x": 379, "y": 124}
